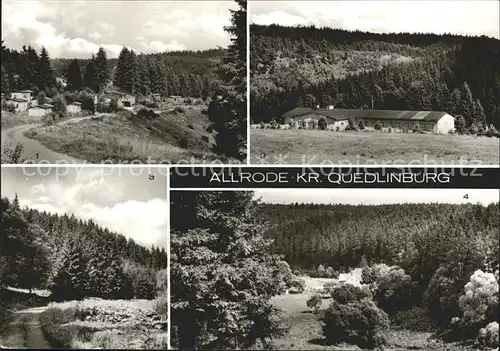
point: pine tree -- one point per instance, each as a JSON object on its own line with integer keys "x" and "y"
{"x": 125, "y": 75}
{"x": 102, "y": 71}
{"x": 46, "y": 77}
{"x": 227, "y": 112}
{"x": 222, "y": 272}
{"x": 74, "y": 76}
{"x": 71, "y": 281}
{"x": 90, "y": 79}
{"x": 5, "y": 82}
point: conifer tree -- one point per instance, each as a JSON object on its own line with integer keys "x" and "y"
{"x": 90, "y": 79}
{"x": 102, "y": 71}
{"x": 227, "y": 112}
{"x": 74, "y": 76}
{"x": 222, "y": 272}
{"x": 46, "y": 77}
{"x": 71, "y": 281}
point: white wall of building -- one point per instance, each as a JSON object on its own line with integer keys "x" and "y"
{"x": 445, "y": 125}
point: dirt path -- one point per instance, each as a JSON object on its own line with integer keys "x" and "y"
{"x": 24, "y": 331}
{"x": 35, "y": 152}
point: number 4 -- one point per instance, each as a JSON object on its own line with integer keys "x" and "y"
{"x": 466, "y": 196}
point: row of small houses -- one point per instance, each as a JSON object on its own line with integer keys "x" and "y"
{"x": 24, "y": 101}
{"x": 393, "y": 120}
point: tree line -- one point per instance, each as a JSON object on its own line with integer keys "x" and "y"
{"x": 455, "y": 74}
{"x": 74, "y": 258}
{"x": 189, "y": 73}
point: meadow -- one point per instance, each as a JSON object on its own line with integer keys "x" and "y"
{"x": 370, "y": 148}
{"x": 123, "y": 137}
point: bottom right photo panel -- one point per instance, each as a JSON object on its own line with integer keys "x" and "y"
{"x": 334, "y": 269}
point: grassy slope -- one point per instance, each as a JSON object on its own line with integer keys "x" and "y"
{"x": 316, "y": 147}
{"x": 306, "y": 327}
{"x": 11, "y": 119}
{"x": 124, "y": 137}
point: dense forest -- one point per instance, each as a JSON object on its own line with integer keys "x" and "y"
{"x": 183, "y": 73}
{"x": 341, "y": 236}
{"x": 305, "y": 66}
{"x": 73, "y": 258}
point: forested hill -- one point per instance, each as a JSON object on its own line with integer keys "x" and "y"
{"x": 41, "y": 249}
{"x": 340, "y": 235}
{"x": 184, "y": 73}
{"x": 305, "y": 66}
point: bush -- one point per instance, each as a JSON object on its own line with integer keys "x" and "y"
{"x": 262, "y": 125}
{"x": 393, "y": 289}
{"x": 160, "y": 305}
{"x": 190, "y": 126}
{"x": 351, "y": 124}
{"x": 205, "y": 138}
{"x": 183, "y": 143}
{"x": 8, "y": 107}
{"x": 59, "y": 336}
{"x": 349, "y": 293}
{"x": 360, "y": 322}
{"x": 180, "y": 109}
{"x": 416, "y": 128}
{"x": 479, "y": 303}
{"x": 377, "y": 126}
{"x": 314, "y": 302}
{"x": 298, "y": 284}
{"x": 488, "y": 336}
{"x": 361, "y": 125}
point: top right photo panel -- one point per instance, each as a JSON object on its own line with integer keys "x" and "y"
{"x": 374, "y": 82}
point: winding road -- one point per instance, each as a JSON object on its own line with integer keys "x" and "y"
{"x": 30, "y": 336}
{"x": 35, "y": 152}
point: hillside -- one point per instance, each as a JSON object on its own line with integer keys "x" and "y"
{"x": 179, "y": 133}
{"x": 305, "y": 66}
{"x": 340, "y": 235}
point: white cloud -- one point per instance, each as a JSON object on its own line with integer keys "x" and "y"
{"x": 479, "y": 17}
{"x": 145, "y": 222}
{"x": 77, "y": 29}
{"x": 280, "y": 17}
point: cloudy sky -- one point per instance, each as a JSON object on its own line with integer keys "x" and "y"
{"x": 378, "y": 196}
{"x": 124, "y": 200}
{"x": 77, "y": 28}
{"x": 468, "y": 17}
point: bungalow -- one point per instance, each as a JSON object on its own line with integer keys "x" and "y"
{"x": 20, "y": 104}
{"x": 122, "y": 99}
{"x": 40, "y": 110}
{"x": 393, "y": 120}
{"x": 74, "y": 108}
{"x": 22, "y": 94}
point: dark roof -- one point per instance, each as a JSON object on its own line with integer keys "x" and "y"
{"x": 18, "y": 99}
{"x": 369, "y": 114}
{"x": 44, "y": 106}
{"x": 76, "y": 103}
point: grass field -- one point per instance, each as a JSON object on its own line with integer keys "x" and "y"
{"x": 124, "y": 137}
{"x": 11, "y": 119}
{"x": 305, "y": 331}
{"x": 370, "y": 148}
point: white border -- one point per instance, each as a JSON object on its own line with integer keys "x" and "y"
{"x": 248, "y": 83}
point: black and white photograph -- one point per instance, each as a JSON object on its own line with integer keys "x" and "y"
{"x": 374, "y": 82}
{"x": 334, "y": 269}
{"x": 84, "y": 258}
{"x": 115, "y": 82}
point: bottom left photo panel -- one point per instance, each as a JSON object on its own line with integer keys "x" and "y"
{"x": 84, "y": 258}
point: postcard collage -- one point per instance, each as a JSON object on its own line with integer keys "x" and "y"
{"x": 250, "y": 175}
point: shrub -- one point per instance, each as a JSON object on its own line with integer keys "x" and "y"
{"x": 8, "y": 107}
{"x": 488, "y": 336}
{"x": 351, "y": 124}
{"x": 360, "y": 322}
{"x": 361, "y": 125}
{"x": 205, "y": 138}
{"x": 349, "y": 293}
{"x": 183, "y": 142}
{"x": 298, "y": 284}
{"x": 491, "y": 132}
{"x": 59, "y": 335}
{"x": 393, "y": 289}
{"x": 322, "y": 124}
{"x": 180, "y": 109}
{"x": 314, "y": 302}
{"x": 416, "y": 128}
{"x": 377, "y": 126}
{"x": 262, "y": 125}
{"x": 160, "y": 305}
{"x": 12, "y": 154}
{"x": 190, "y": 126}
{"x": 59, "y": 104}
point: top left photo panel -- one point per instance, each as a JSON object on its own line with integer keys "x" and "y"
{"x": 124, "y": 82}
